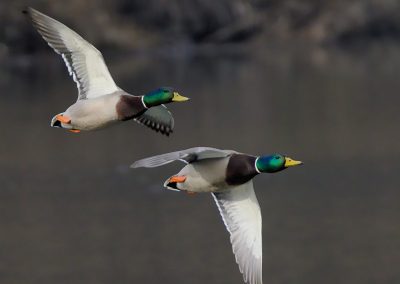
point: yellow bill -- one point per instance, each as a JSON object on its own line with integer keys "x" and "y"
{"x": 289, "y": 162}
{"x": 178, "y": 98}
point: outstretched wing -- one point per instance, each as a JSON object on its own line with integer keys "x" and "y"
{"x": 85, "y": 63}
{"x": 241, "y": 214}
{"x": 158, "y": 118}
{"x": 187, "y": 156}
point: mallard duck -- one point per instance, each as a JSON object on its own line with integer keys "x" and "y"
{"x": 100, "y": 101}
{"x": 228, "y": 176}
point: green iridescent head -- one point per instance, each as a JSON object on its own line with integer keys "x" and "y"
{"x": 274, "y": 163}
{"x": 162, "y": 95}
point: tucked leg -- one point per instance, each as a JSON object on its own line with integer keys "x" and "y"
{"x": 177, "y": 179}
{"x": 64, "y": 119}
{"x": 181, "y": 179}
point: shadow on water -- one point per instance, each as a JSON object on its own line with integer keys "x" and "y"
{"x": 73, "y": 212}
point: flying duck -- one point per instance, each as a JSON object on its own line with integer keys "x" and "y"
{"x": 228, "y": 176}
{"x": 100, "y": 101}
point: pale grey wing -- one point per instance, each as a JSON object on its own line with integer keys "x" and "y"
{"x": 158, "y": 118}
{"x": 241, "y": 214}
{"x": 187, "y": 156}
{"x": 84, "y": 62}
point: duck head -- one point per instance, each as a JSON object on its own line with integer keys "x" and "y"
{"x": 275, "y": 163}
{"x": 162, "y": 95}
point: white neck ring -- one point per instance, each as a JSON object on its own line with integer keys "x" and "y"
{"x": 255, "y": 165}
{"x": 144, "y": 103}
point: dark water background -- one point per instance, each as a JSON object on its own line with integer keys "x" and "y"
{"x": 71, "y": 210}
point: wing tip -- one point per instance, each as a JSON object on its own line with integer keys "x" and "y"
{"x": 136, "y": 164}
{"x": 139, "y": 164}
{"x": 28, "y": 10}
{"x": 35, "y": 16}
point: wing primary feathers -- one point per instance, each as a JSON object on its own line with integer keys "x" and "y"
{"x": 84, "y": 62}
{"x": 241, "y": 215}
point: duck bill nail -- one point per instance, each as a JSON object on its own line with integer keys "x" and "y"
{"x": 178, "y": 98}
{"x": 291, "y": 163}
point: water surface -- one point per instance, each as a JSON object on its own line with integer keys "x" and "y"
{"x": 72, "y": 211}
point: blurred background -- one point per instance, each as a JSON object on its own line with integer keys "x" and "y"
{"x": 317, "y": 80}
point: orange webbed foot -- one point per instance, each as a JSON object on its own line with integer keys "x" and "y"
{"x": 74, "y": 130}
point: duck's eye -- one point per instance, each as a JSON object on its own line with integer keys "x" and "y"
{"x": 276, "y": 158}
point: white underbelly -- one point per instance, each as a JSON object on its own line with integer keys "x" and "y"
{"x": 93, "y": 113}
{"x": 93, "y": 121}
{"x": 204, "y": 176}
